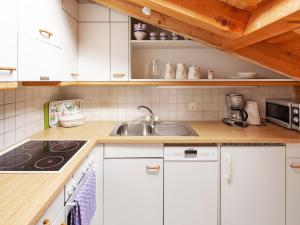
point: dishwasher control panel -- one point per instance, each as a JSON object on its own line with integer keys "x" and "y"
{"x": 192, "y": 153}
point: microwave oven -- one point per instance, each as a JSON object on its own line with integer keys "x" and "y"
{"x": 284, "y": 112}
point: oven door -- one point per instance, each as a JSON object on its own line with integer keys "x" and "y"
{"x": 279, "y": 113}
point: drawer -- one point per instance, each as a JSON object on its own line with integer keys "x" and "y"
{"x": 133, "y": 151}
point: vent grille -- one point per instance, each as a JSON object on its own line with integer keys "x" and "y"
{"x": 253, "y": 144}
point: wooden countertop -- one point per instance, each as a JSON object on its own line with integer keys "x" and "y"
{"x": 25, "y": 197}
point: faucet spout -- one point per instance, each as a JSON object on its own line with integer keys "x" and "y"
{"x": 150, "y": 112}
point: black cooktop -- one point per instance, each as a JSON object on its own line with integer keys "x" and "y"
{"x": 39, "y": 156}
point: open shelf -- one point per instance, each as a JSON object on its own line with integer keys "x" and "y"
{"x": 166, "y": 44}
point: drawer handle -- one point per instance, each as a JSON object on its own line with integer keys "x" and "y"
{"x": 119, "y": 75}
{"x": 45, "y": 33}
{"x": 153, "y": 168}
{"x": 46, "y": 222}
{"x": 44, "y": 78}
{"x": 11, "y": 69}
{"x": 295, "y": 165}
{"x": 74, "y": 75}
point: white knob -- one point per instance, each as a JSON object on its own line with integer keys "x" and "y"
{"x": 156, "y": 118}
{"x": 296, "y": 111}
{"x": 147, "y": 118}
{"x": 296, "y": 119}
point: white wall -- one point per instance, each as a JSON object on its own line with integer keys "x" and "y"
{"x": 120, "y": 103}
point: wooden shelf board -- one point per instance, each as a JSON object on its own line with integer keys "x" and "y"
{"x": 8, "y": 85}
{"x": 282, "y": 82}
{"x": 167, "y": 44}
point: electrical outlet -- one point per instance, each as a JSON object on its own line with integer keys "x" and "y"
{"x": 192, "y": 106}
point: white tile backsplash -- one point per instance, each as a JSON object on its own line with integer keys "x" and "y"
{"x": 21, "y": 112}
{"x": 120, "y": 103}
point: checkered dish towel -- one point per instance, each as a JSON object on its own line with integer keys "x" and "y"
{"x": 85, "y": 201}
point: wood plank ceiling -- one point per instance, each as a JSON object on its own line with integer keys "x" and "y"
{"x": 265, "y": 32}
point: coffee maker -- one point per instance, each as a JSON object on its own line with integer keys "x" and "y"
{"x": 237, "y": 116}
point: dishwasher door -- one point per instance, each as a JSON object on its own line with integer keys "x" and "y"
{"x": 191, "y": 185}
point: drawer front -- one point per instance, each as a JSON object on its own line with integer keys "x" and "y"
{"x": 133, "y": 151}
{"x": 293, "y": 150}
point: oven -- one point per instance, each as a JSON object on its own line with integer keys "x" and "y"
{"x": 74, "y": 185}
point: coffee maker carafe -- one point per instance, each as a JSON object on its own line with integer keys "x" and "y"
{"x": 237, "y": 116}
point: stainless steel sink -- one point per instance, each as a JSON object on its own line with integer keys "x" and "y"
{"x": 160, "y": 129}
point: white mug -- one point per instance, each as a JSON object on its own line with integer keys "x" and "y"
{"x": 181, "y": 73}
{"x": 194, "y": 72}
{"x": 169, "y": 71}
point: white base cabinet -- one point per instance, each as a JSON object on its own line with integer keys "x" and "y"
{"x": 133, "y": 187}
{"x": 8, "y": 40}
{"x": 293, "y": 184}
{"x": 253, "y": 185}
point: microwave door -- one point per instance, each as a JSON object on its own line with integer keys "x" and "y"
{"x": 279, "y": 114}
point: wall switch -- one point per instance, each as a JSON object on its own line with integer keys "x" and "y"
{"x": 192, "y": 106}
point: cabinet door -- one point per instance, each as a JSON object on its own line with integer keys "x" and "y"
{"x": 36, "y": 21}
{"x": 293, "y": 191}
{"x": 133, "y": 194}
{"x": 94, "y": 52}
{"x": 8, "y": 40}
{"x": 38, "y": 61}
{"x": 116, "y": 16}
{"x": 119, "y": 51}
{"x": 253, "y": 185}
{"x": 70, "y": 48}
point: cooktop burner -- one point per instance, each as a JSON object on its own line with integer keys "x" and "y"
{"x": 39, "y": 156}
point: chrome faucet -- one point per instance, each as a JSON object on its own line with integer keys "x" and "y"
{"x": 152, "y": 118}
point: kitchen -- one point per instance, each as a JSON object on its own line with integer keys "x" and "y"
{"x": 149, "y": 112}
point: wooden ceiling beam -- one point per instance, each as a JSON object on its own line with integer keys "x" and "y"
{"x": 276, "y": 59}
{"x": 213, "y": 15}
{"x": 164, "y": 21}
{"x": 273, "y": 18}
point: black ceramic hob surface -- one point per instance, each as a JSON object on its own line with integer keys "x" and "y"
{"x": 39, "y": 156}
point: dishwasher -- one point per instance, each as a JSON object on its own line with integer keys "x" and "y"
{"x": 191, "y": 185}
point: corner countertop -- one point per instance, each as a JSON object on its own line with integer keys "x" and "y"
{"x": 25, "y": 197}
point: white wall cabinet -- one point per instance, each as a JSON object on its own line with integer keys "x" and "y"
{"x": 293, "y": 184}
{"x": 116, "y": 16}
{"x": 253, "y": 185}
{"x": 41, "y": 20}
{"x": 8, "y": 40}
{"x": 94, "y": 52}
{"x": 38, "y": 60}
{"x": 70, "y": 46}
{"x": 119, "y": 51}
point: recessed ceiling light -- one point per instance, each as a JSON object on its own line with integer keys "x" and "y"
{"x": 146, "y": 11}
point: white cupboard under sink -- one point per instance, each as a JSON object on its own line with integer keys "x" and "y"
{"x": 133, "y": 185}
{"x": 8, "y": 40}
{"x": 253, "y": 185}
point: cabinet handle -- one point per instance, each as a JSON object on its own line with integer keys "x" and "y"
{"x": 11, "y": 69}
{"x": 119, "y": 75}
{"x": 153, "y": 168}
{"x": 295, "y": 165}
{"x": 74, "y": 75}
{"x": 44, "y": 78}
{"x": 228, "y": 165}
{"x": 46, "y": 222}
{"x": 45, "y": 33}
